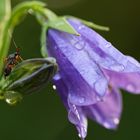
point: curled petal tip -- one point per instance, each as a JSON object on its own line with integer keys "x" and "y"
{"x": 112, "y": 124}
{"x": 79, "y": 135}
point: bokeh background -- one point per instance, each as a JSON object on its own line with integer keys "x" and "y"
{"x": 42, "y": 115}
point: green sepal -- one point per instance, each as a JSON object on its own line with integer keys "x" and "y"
{"x": 89, "y": 24}
{"x": 61, "y": 24}
{"x": 31, "y": 75}
{"x": 58, "y": 23}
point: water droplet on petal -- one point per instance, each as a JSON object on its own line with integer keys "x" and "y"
{"x": 117, "y": 67}
{"x": 79, "y": 46}
{"x": 130, "y": 87}
{"x": 76, "y": 99}
{"x": 98, "y": 98}
{"x": 57, "y": 77}
{"x": 106, "y": 125}
{"x": 100, "y": 86}
{"x": 116, "y": 121}
{"x": 54, "y": 87}
{"x": 81, "y": 100}
{"x": 108, "y": 45}
{"x": 132, "y": 60}
{"x": 81, "y": 27}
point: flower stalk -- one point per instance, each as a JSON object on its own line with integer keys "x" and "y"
{"x": 5, "y": 13}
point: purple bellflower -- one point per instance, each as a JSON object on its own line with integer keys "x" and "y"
{"x": 91, "y": 72}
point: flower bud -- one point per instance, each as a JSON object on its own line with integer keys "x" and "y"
{"x": 29, "y": 76}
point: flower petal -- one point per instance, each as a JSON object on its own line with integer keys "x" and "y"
{"x": 82, "y": 75}
{"x": 61, "y": 88}
{"x": 127, "y": 81}
{"x": 78, "y": 118}
{"x": 107, "y": 112}
{"x": 75, "y": 113}
{"x": 122, "y": 71}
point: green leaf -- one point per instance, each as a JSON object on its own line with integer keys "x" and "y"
{"x": 31, "y": 75}
{"x": 90, "y": 24}
{"x": 61, "y": 24}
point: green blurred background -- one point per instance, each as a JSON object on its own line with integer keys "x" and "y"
{"x": 42, "y": 115}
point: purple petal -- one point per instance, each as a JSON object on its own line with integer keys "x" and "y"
{"x": 128, "y": 81}
{"x": 75, "y": 114}
{"x": 61, "y": 88}
{"x": 122, "y": 71}
{"x": 82, "y": 76}
{"x": 107, "y": 112}
{"x": 78, "y": 118}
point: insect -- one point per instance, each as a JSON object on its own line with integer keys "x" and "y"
{"x": 10, "y": 62}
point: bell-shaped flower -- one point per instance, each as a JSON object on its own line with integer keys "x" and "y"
{"x": 91, "y": 72}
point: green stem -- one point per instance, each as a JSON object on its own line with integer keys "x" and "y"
{"x": 5, "y": 12}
